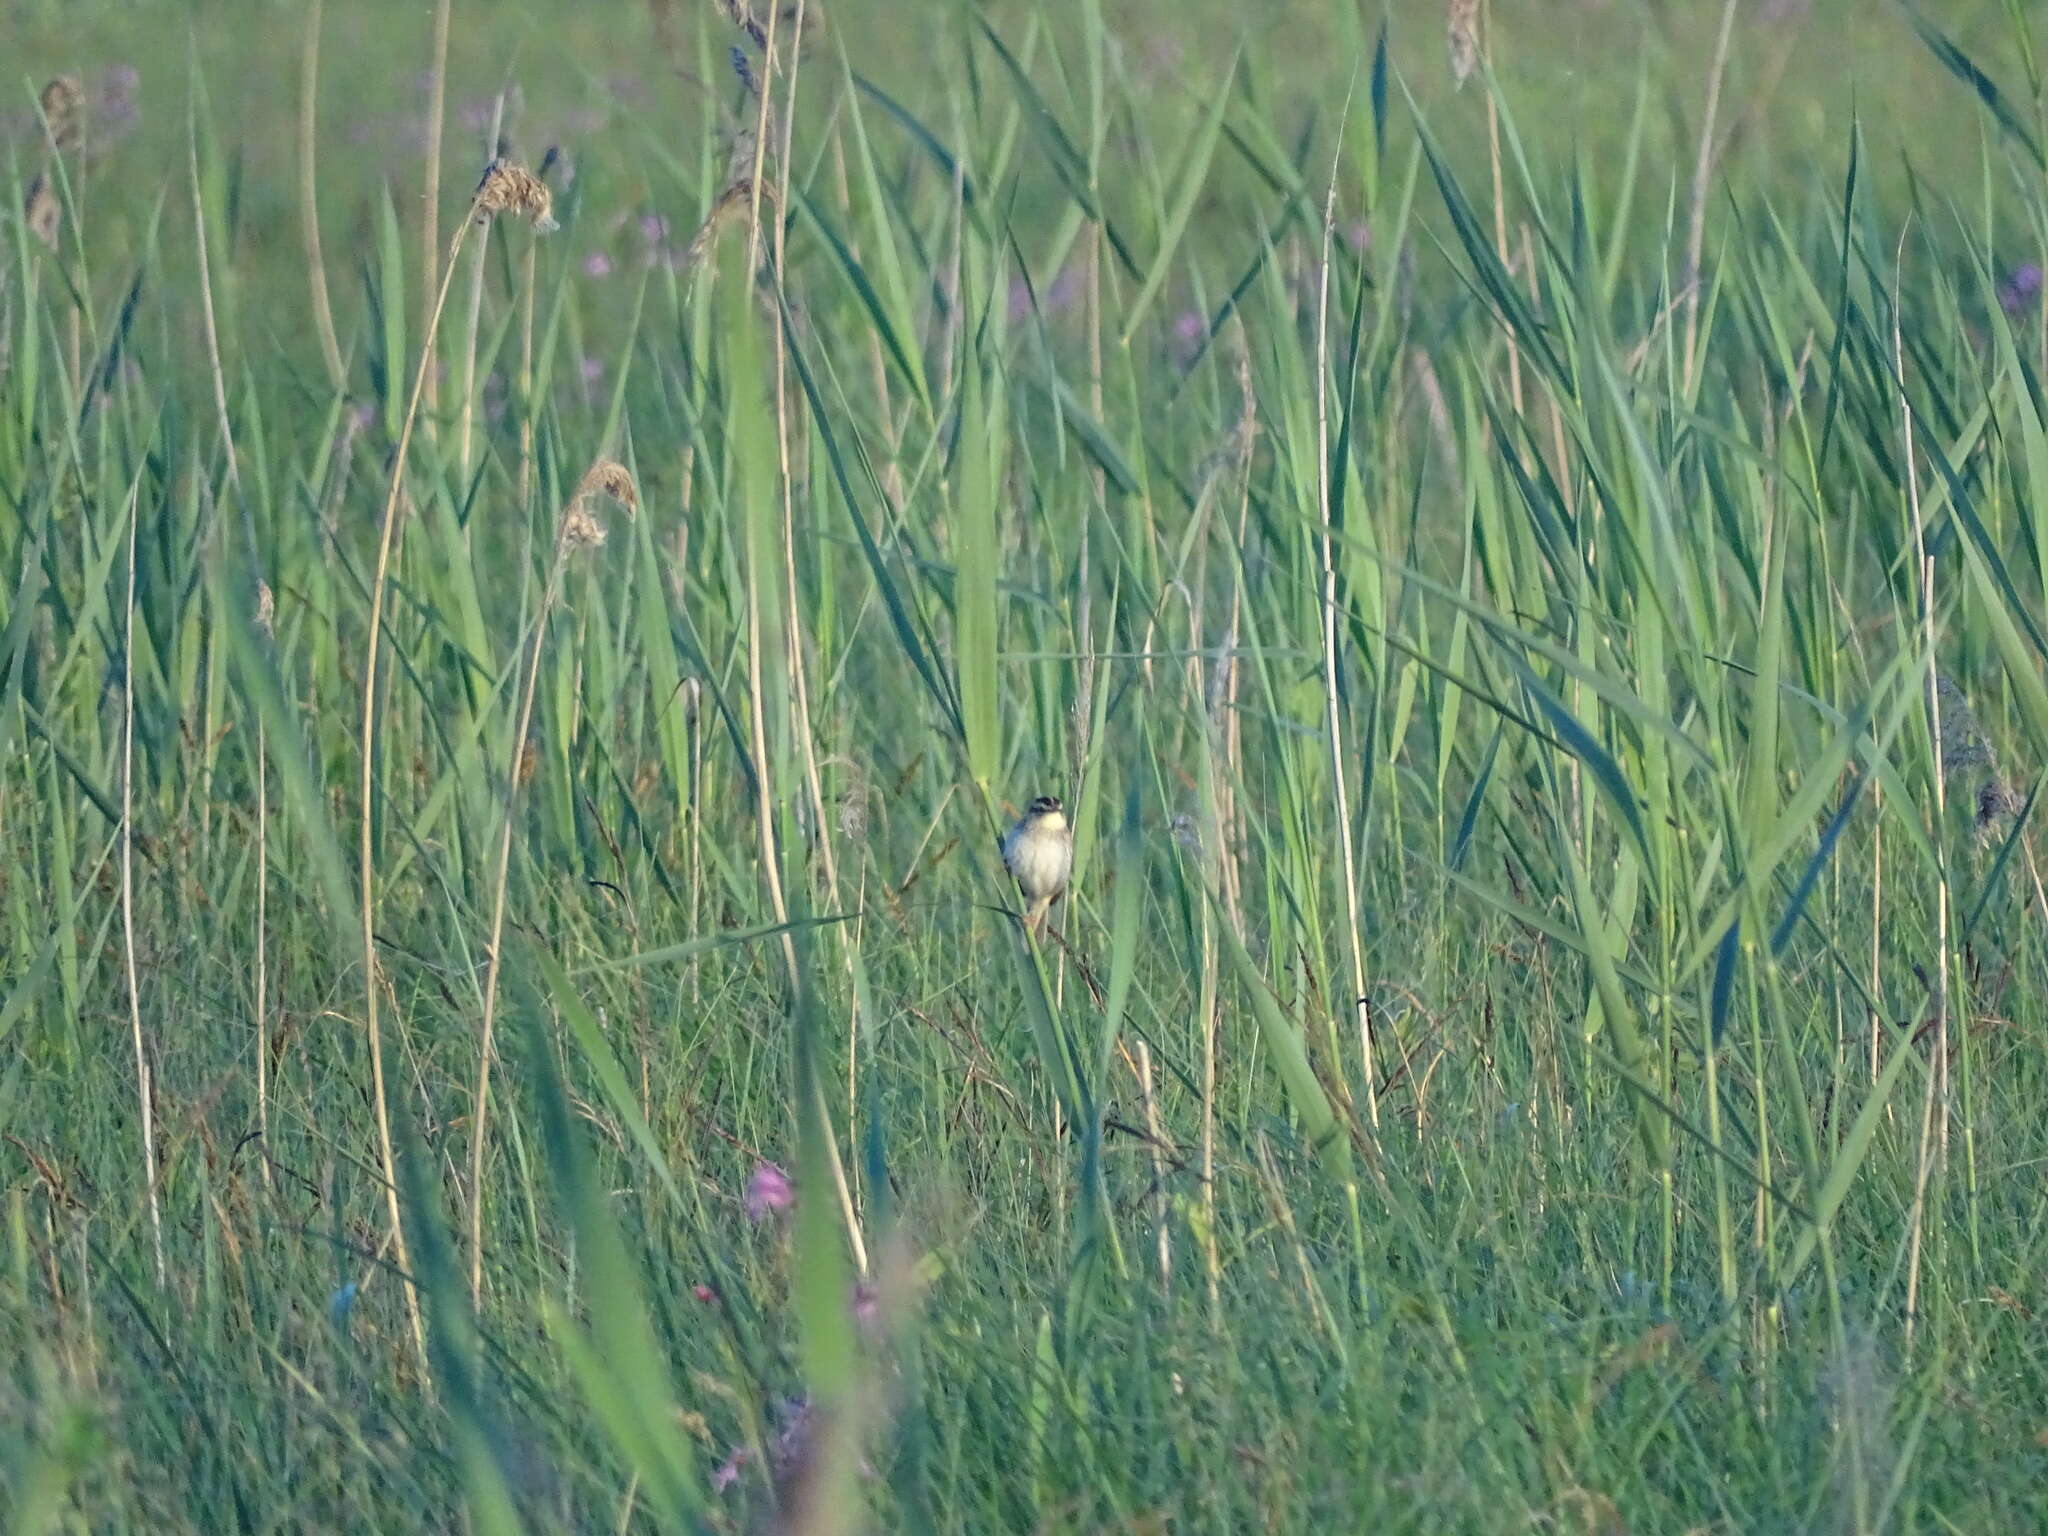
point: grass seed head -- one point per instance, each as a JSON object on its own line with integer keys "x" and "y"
{"x": 608, "y": 477}
{"x": 580, "y": 530}
{"x": 1461, "y": 27}
{"x": 1997, "y": 804}
{"x": 42, "y": 210}
{"x": 510, "y": 188}
{"x": 730, "y": 201}
{"x": 266, "y": 609}
{"x": 1964, "y": 746}
{"x": 741, "y": 16}
{"x": 744, "y": 68}
{"x": 63, "y": 103}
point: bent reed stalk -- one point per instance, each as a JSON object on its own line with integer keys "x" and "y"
{"x": 504, "y": 188}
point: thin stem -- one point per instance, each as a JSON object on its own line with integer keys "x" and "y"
{"x": 466, "y": 427}
{"x": 527, "y": 690}
{"x": 309, "y": 207}
{"x": 145, "y": 1087}
{"x": 1703, "y": 169}
{"x": 367, "y": 867}
{"x": 1933, "y": 1130}
{"x": 430, "y": 208}
{"x": 1332, "y": 701}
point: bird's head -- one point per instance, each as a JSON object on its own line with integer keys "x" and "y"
{"x": 1044, "y": 805}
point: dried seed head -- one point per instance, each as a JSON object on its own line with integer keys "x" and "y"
{"x": 853, "y": 806}
{"x": 1461, "y": 26}
{"x": 690, "y": 699}
{"x": 63, "y": 102}
{"x": 509, "y": 188}
{"x": 266, "y": 609}
{"x": 1997, "y": 804}
{"x": 45, "y": 215}
{"x": 739, "y": 14}
{"x": 743, "y": 67}
{"x": 605, "y": 478}
{"x": 1964, "y": 747}
{"x": 730, "y": 202}
{"x": 580, "y": 530}
{"x": 608, "y": 477}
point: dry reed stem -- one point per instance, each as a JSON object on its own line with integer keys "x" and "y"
{"x": 145, "y": 1084}
{"x": 526, "y": 311}
{"x": 1937, "y": 1073}
{"x": 386, "y": 547}
{"x": 465, "y": 431}
{"x": 579, "y": 529}
{"x": 1332, "y": 701}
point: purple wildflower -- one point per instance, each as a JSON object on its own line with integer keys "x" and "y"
{"x": 867, "y": 1304}
{"x": 768, "y": 1192}
{"x": 116, "y": 109}
{"x": 2021, "y": 289}
{"x": 728, "y": 1471}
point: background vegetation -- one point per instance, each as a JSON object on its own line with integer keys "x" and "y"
{"x": 1529, "y": 584}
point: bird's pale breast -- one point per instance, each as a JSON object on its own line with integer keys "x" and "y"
{"x": 1040, "y": 858}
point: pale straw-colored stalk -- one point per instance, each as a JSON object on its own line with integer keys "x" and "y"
{"x": 145, "y": 1085}
{"x": 578, "y": 529}
{"x": 505, "y": 188}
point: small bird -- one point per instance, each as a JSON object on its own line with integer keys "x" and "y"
{"x": 1039, "y": 854}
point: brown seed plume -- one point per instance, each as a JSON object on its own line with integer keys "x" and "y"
{"x": 580, "y": 530}
{"x": 42, "y": 210}
{"x": 63, "y": 103}
{"x": 606, "y": 479}
{"x": 513, "y": 189}
{"x": 1461, "y": 26}
{"x": 730, "y": 201}
{"x": 1997, "y": 804}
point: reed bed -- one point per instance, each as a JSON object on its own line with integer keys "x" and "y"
{"x": 511, "y": 1012}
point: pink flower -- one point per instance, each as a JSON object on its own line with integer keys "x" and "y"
{"x": 867, "y": 1305}
{"x": 728, "y": 1472}
{"x": 597, "y": 264}
{"x": 768, "y": 1192}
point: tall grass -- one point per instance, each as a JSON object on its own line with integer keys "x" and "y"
{"x": 1542, "y": 649}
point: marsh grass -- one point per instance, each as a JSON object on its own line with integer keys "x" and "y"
{"x": 1542, "y": 649}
